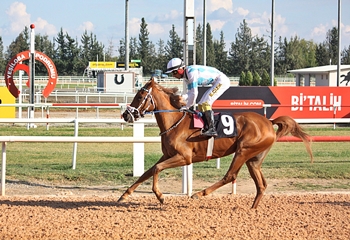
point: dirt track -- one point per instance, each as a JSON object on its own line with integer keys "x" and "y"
{"x": 220, "y": 216}
{"x": 34, "y": 213}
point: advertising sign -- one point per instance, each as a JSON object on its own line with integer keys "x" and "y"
{"x": 16, "y": 64}
{"x": 116, "y": 81}
{"x": 131, "y": 64}
{"x": 6, "y": 98}
{"x": 296, "y": 102}
{"x": 102, "y": 65}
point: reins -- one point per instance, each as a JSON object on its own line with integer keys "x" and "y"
{"x": 131, "y": 110}
{"x": 175, "y": 125}
{"x": 185, "y": 111}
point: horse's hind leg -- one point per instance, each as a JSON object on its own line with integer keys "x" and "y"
{"x": 237, "y": 163}
{"x": 254, "y": 167}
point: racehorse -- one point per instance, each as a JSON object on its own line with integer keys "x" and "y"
{"x": 182, "y": 144}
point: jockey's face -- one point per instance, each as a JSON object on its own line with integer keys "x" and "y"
{"x": 176, "y": 74}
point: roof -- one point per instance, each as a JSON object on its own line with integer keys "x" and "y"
{"x": 321, "y": 69}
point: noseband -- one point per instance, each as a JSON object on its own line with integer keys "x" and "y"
{"x": 136, "y": 111}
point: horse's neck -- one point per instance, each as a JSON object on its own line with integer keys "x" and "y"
{"x": 170, "y": 116}
{"x": 167, "y": 120}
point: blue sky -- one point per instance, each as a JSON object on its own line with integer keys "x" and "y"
{"x": 308, "y": 19}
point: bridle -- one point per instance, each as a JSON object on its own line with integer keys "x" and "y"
{"x": 135, "y": 112}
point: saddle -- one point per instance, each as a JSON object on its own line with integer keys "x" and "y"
{"x": 225, "y": 124}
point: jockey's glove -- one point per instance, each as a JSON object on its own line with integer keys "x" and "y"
{"x": 183, "y": 109}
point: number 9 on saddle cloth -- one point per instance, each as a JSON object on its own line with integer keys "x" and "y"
{"x": 225, "y": 124}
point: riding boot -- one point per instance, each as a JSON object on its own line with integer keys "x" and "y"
{"x": 209, "y": 117}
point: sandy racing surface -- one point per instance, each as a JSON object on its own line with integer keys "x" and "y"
{"x": 45, "y": 212}
{"x": 95, "y": 214}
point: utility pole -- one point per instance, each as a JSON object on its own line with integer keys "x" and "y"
{"x": 204, "y": 34}
{"x": 272, "y": 73}
{"x": 339, "y": 41}
{"x": 126, "y": 35}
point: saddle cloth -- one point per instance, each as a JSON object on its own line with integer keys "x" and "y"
{"x": 225, "y": 124}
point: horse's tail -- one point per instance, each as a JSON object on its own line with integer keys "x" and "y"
{"x": 287, "y": 125}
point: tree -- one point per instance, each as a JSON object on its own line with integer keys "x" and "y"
{"x": 242, "y": 77}
{"x": 199, "y": 45}
{"x": 74, "y": 65}
{"x": 144, "y": 47}
{"x": 295, "y": 53}
{"x": 346, "y": 56}
{"x": 240, "y": 49}
{"x": 280, "y": 56}
{"x": 20, "y": 44}
{"x": 256, "y": 79}
{"x": 321, "y": 55}
{"x": 85, "y": 47}
{"x": 121, "y": 49}
{"x": 96, "y": 49}
{"x": 210, "y": 47}
{"x": 248, "y": 79}
{"x": 152, "y": 58}
{"x": 174, "y": 47}
{"x": 44, "y": 45}
{"x": 309, "y": 50}
{"x": 110, "y": 52}
{"x": 265, "y": 79}
{"x": 161, "y": 56}
{"x": 61, "y": 53}
{"x": 220, "y": 54}
{"x": 2, "y": 58}
{"x": 133, "y": 49}
{"x": 332, "y": 44}
{"x": 259, "y": 54}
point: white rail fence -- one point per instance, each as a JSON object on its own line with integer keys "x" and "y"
{"x": 138, "y": 141}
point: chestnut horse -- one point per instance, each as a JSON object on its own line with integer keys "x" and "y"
{"x": 183, "y": 145}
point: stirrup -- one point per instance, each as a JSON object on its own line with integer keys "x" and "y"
{"x": 210, "y": 133}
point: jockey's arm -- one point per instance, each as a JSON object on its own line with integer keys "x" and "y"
{"x": 192, "y": 93}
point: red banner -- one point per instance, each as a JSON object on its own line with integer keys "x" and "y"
{"x": 312, "y": 102}
{"x": 297, "y": 102}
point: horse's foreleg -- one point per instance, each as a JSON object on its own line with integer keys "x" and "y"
{"x": 146, "y": 175}
{"x": 132, "y": 188}
{"x": 175, "y": 161}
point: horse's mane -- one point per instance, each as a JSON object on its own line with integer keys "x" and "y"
{"x": 175, "y": 98}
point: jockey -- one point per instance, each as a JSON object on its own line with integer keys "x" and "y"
{"x": 194, "y": 76}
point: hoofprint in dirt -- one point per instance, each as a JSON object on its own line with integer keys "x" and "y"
{"x": 223, "y": 216}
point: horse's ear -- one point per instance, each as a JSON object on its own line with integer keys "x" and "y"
{"x": 154, "y": 79}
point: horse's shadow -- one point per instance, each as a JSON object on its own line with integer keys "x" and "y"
{"x": 44, "y": 201}
{"x": 346, "y": 78}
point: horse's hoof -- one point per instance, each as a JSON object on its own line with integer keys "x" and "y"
{"x": 195, "y": 196}
{"x": 122, "y": 199}
{"x": 161, "y": 200}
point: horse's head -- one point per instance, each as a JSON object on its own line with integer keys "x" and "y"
{"x": 142, "y": 102}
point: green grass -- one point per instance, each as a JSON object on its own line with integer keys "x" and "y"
{"x": 111, "y": 163}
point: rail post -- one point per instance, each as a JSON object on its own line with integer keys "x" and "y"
{"x": 75, "y": 144}
{"x": 3, "y": 169}
{"x": 138, "y": 150}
